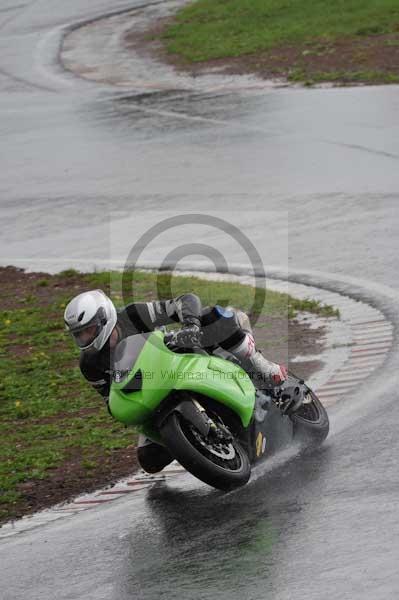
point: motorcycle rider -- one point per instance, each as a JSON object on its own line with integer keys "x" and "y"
{"x": 97, "y": 327}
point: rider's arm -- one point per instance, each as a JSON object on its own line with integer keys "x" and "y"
{"x": 185, "y": 309}
{"x": 99, "y": 380}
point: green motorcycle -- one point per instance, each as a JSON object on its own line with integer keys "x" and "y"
{"x": 205, "y": 409}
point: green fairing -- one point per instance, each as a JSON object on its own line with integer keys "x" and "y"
{"x": 163, "y": 371}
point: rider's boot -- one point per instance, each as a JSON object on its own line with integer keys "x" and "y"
{"x": 266, "y": 375}
{"x": 263, "y": 373}
{"x": 152, "y": 457}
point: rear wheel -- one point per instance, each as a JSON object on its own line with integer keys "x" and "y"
{"x": 218, "y": 461}
{"x": 311, "y": 423}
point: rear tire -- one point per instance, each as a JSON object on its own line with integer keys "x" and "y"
{"x": 311, "y": 423}
{"x": 224, "y": 469}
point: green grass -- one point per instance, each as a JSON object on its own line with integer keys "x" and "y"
{"x": 209, "y": 29}
{"x": 342, "y": 77}
{"x": 42, "y": 389}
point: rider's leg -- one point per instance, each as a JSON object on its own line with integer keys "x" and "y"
{"x": 231, "y": 329}
{"x": 263, "y": 372}
{"x": 152, "y": 457}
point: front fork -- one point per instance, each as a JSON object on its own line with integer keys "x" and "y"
{"x": 217, "y": 431}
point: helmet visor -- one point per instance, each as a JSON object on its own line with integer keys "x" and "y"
{"x": 85, "y": 337}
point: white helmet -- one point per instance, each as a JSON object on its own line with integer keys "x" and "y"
{"x": 90, "y": 317}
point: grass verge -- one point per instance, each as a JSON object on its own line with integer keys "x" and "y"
{"x": 343, "y": 40}
{"x": 57, "y": 438}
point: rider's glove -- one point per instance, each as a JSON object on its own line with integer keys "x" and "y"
{"x": 189, "y": 336}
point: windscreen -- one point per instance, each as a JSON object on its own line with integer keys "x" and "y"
{"x": 126, "y": 354}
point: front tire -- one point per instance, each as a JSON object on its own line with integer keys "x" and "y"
{"x": 224, "y": 466}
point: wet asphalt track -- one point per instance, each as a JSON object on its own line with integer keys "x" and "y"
{"x": 312, "y": 178}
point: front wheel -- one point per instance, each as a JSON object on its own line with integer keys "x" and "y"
{"x": 223, "y": 464}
